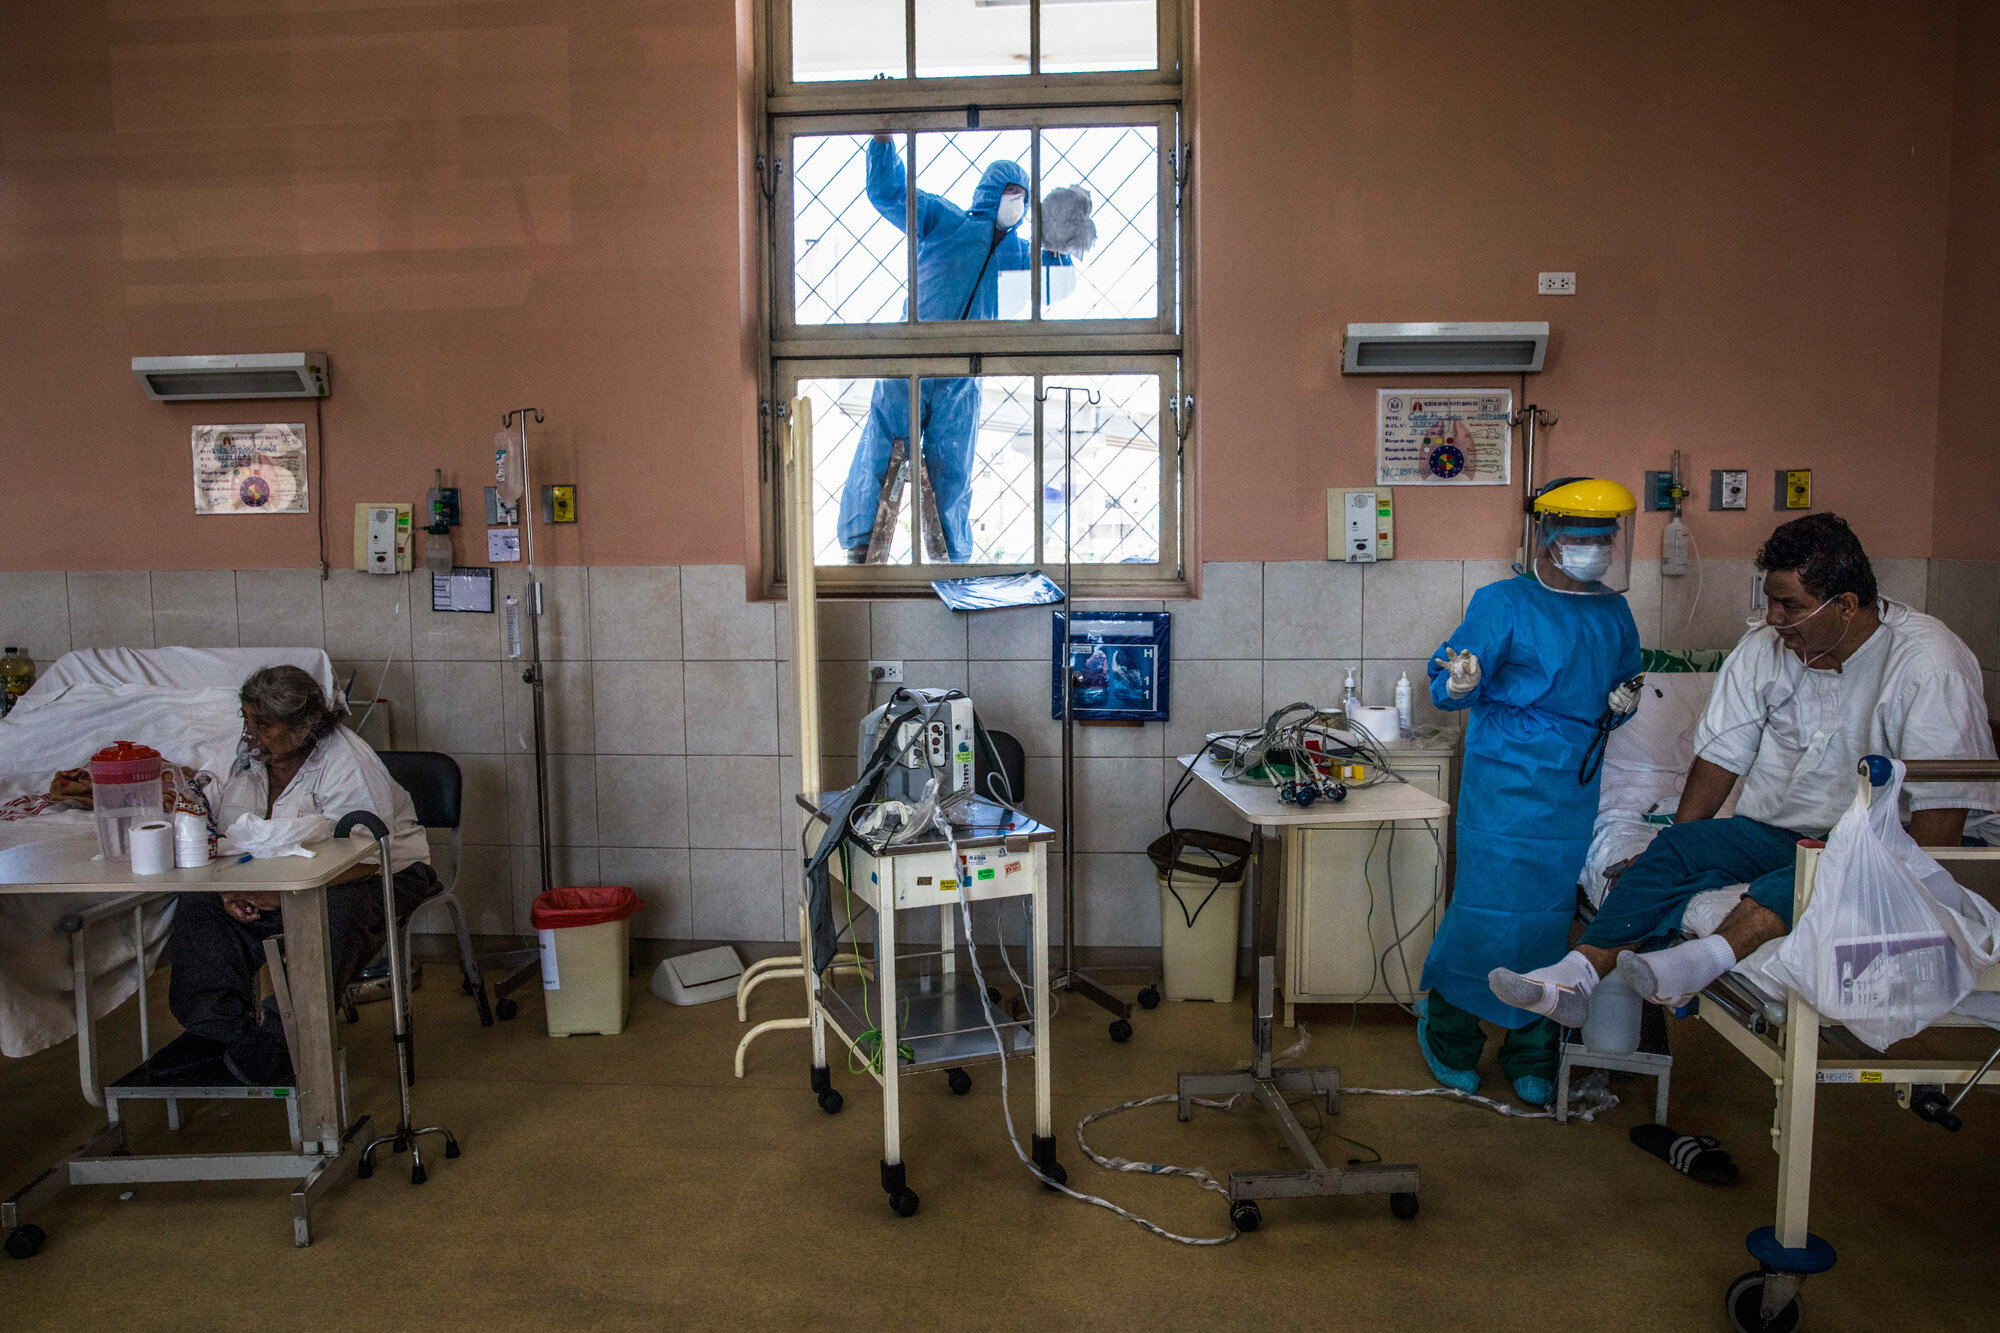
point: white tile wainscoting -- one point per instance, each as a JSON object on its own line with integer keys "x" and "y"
{"x": 670, "y": 710}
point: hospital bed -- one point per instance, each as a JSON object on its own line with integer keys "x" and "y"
{"x": 1765, "y": 1026}
{"x": 66, "y": 963}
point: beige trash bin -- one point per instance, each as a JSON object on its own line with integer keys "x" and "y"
{"x": 1201, "y": 899}
{"x": 586, "y": 943}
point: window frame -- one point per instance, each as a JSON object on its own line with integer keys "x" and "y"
{"x": 785, "y": 96}
{"x": 1138, "y": 578}
{"x": 790, "y": 353}
{"x": 1036, "y": 334}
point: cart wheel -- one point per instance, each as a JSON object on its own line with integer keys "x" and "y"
{"x": 829, "y": 1101}
{"x": 23, "y": 1241}
{"x": 1054, "y": 1171}
{"x": 451, "y": 1147}
{"x": 1246, "y": 1216}
{"x": 904, "y": 1202}
{"x": 417, "y": 1173}
{"x": 1149, "y": 998}
{"x": 958, "y": 1081}
{"x": 1403, "y": 1205}
{"x": 993, "y": 996}
{"x": 464, "y": 984}
{"x": 1121, "y": 1030}
{"x": 504, "y": 1008}
{"x": 365, "y": 1169}
{"x": 1745, "y": 1303}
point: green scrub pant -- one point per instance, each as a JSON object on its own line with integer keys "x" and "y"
{"x": 1456, "y": 1039}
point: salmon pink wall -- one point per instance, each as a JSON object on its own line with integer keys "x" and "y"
{"x": 478, "y": 206}
{"x": 470, "y": 206}
{"x": 1752, "y": 196}
{"x": 1968, "y": 491}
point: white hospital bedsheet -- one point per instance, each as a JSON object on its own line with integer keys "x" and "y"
{"x": 37, "y": 987}
{"x": 172, "y": 668}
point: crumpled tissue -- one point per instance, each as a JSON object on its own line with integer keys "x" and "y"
{"x": 268, "y": 838}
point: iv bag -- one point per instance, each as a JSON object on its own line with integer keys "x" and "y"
{"x": 507, "y": 467}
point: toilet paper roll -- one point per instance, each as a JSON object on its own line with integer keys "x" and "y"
{"x": 153, "y": 848}
{"x": 1381, "y": 723}
{"x": 190, "y": 841}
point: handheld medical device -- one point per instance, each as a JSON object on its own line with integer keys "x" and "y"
{"x": 934, "y": 740}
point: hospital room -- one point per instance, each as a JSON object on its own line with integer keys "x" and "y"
{"x": 1298, "y": 663}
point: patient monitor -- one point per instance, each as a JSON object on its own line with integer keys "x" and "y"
{"x": 934, "y": 738}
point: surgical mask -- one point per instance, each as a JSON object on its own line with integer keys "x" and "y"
{"x": 1585, "y": 564}
{"x": 1012, "y": 208}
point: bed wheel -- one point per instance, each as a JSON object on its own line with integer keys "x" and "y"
{"x": 1745, "y": 1305}
{"x": 25, "y": 1240}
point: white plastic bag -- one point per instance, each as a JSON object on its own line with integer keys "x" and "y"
{"x": 1889, "y": 942}
{"x": 267, "y": 838}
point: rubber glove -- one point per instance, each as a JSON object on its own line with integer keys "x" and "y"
{"x": 1464, "y": 669}
{"x": 1625, "y": 699}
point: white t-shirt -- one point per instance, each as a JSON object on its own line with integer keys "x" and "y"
{"x": 1913, "y": 690}
{"x": 340, "y": 776}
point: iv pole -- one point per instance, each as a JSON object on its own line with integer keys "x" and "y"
{"x": 1526, "y": 420}
{"x": 531, "y": 676}
{"x": 1070, "y": 978}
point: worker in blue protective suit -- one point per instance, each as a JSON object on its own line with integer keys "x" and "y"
{"x": 1545, "y": 662}
{"x": 961, "y": 253}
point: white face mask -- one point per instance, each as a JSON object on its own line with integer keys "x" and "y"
{"x": 1012, "y": 208}
{"x": 1585, "y": 564}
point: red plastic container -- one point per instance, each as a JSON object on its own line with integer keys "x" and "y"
{"x": 125, "y": 790}
{"x": 125, "y": 762}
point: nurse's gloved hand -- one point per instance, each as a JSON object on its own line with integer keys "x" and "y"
{"x": 1464, "y": 672}
{"x": 1624, "y": 699}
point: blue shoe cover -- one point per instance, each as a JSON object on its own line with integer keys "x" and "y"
{"x": 1534, "y": 1090}
{"x": 1460, "y": 1080}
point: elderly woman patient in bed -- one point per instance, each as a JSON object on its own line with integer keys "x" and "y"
{"x": 295, "y": 759}
{"x": 1838, "y": 672}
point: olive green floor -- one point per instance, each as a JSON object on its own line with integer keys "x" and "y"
{"x": 631, "y": 1182}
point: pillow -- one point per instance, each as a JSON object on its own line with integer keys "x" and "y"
{"x": 1659, "y": 737}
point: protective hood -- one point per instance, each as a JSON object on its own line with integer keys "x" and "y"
{"x": 986, "y": 197}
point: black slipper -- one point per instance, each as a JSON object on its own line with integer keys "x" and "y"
{"x": 183, "y": 1055}
{"x": 259, "y": 1059}
{"x": 1695, "y": 1156}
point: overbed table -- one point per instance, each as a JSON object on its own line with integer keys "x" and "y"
{"x": 1265, "y": 1082}
{"x": 322, "y": 1144}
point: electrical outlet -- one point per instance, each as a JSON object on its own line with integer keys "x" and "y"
{"x": 1728, "y": 489}
{"x": 885, "y": 673}
{"x": 1556, "y": 284}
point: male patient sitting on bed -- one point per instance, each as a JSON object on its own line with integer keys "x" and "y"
{"x": 1836, "y": 674}
{"x": 296, "y": 759}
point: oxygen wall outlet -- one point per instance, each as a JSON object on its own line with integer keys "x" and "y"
{"x": 1360, "y": 525}
{"x": 885, "y": 673}
{"x": 1728, "y": 490}
{"x": 1794, "y": 489}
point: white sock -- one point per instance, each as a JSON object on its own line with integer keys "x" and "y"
{"x": 1682, "y": 970}
{"x": 1572, "y": 975}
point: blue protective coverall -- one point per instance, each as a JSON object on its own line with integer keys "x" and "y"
{"x": 1548, "y": 660}
{"x": 960, "y": 256}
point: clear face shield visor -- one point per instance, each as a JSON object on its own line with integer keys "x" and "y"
{"x": 1589, "y": 557}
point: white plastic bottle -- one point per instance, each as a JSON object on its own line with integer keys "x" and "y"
{"x": 1403, "y": 723}
{"x": 1674, "y": 548}
{"x": 1349, "y": 698}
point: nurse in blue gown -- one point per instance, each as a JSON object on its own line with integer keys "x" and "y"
{"x": 1540, "y": 662}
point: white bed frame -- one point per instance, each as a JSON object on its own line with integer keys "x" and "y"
{"x": 1788, "y": 1052}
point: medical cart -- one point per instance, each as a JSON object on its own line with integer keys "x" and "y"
{"x": 936, "y": 1019}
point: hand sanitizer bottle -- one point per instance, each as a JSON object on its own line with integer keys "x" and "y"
{"x": 1403, "y": 705}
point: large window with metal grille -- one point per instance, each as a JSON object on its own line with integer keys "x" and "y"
{"x": 974, "y": 220}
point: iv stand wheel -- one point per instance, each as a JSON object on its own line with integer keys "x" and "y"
{"x": 1745, "y": 1303}
{"x": 504, "y": 1008}
{"x": 1149, "y": 998}
{"x": 1403, "y": 1205}
{"x": 1246, "y": 1216}
{"x": 25, "y": 1240}
{"x": 830, "y": 1101}
{"x": 958, "y": 1081}
{"x": 904, "y": 1202}
{"x": 1121, "y": 1030}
